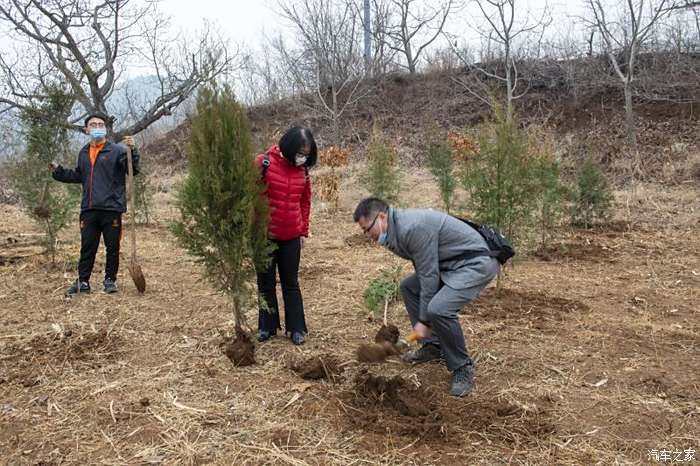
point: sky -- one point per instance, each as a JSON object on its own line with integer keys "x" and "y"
{"x": 241, "y": 21}
{"x": 246, "y": 21}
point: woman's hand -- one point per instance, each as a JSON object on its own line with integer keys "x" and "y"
{"x": 302, "y": 240}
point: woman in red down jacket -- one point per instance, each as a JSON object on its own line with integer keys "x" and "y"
{"x": 285, "y": 172}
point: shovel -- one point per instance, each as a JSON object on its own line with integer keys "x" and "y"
{"x": 133, "y": 265}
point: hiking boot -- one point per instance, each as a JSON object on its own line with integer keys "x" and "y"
{"x": 462, "y": 380}
{"x": 110, "y": 285}
{"x": 426, "y": 353}
{"x": 264, "y": 335}
{"x": 297, "y": 338}
{"x": 78, "y": 287}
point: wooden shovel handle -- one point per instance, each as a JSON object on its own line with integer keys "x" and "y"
{"x": 130, "y": 187}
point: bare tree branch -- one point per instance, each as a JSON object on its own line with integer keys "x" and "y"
{"x": 622, "y": 39}
{"x": 88, "y": 44}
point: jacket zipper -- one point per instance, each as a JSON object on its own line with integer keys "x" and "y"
{"x": 92, "y": 167}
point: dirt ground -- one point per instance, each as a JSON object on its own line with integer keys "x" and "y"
{"x": 589, "y": 355}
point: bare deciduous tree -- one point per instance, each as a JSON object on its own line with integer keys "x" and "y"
{"x": 328, "y": 62}
{"x": 411, "y": 26}
{"x": 504, "y": 31}
{"x": 89, "y": 44}
{"x": 622, "y": 34}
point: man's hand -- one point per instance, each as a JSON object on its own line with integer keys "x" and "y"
{"x": 52, "y": 167}
{"x": 302, "y": 241}
{"x": 422, "y": 330}
{"x": 129, "y": 141}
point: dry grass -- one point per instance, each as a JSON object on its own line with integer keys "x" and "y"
{"x": 583, "y": 359}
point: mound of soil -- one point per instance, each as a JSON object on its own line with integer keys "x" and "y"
{"x": 393, "y": 393}
{"x": 525, "y": 305}
{"x": 80, "y": 350}
{"x": 394, "y": 405}
{"x": 376, "y": 352}
{"x": 573, "y": 251}
{"x": 389, "y": 333}
{"x": 241, "y": 349}
{"x": 70, "y": 345}
{"x": 317, "y": 368}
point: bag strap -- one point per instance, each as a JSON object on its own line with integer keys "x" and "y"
{"x": 468, "y": 255}
{"x": 265, "y": 165}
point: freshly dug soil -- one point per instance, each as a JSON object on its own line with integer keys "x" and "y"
{"x": 393, "y": 393}
{"x": 317, "y": 368}
{"x": 241, "y": 349}
{"x": 376, "y": 352}
{"x": 42, "y": 212}
{"x": 389, "y": 333}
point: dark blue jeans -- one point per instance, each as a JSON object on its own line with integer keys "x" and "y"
{"x": 286, "y": 259}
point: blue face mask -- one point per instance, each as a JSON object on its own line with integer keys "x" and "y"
{"x": 383, "y": 239}
{"x": 97, "y": 133}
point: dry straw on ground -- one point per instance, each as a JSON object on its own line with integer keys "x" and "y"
{"x": 584, "y": 358}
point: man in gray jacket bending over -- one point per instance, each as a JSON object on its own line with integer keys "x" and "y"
{"x": 449, "y": 272}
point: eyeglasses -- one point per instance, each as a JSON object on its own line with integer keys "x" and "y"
{"x": 366, "y": 230}
{"x": 96, "y": 125}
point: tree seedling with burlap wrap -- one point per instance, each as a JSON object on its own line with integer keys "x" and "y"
{"x": 381, "y": 291}
{"x": 224, "y": 215}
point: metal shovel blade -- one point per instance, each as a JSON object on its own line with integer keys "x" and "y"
{"x": 137, "y": 276}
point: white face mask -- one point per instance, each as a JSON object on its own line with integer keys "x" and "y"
{"x": 300, "y": 160}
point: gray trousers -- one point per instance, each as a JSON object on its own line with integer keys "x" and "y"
{"x": 442, "y": 312}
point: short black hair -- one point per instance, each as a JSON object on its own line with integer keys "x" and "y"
{"x": 293, "y": 140}
{"x": 369, "y": 206}
{"x": 99, "y": 115}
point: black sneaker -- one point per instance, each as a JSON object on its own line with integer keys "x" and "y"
{"x": 426, "y": 353}
{"x": 264, "y": 335}
{"x": 110, "y": 285}
{"x": 78, "y": 287}
{"x": 297, "y": 338}
{"x": 462, "y": 380}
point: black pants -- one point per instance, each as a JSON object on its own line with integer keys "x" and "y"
{"x": 94, "y": 223}
{"x": 285, "y": 258}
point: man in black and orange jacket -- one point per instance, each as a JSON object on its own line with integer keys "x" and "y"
{"x": 101, "y": 169}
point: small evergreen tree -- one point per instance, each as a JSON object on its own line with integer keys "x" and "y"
{"x": 224, "y": 215}
{"x": 441, "y": 164}
{"x": 51, "y": 205}
{"x": 550, "y": 202}
{"x": 552, "y": 192}
{"x": 383, "y": 176}
{"x": 591, "y": 197}
{"x": 499, "y": 178}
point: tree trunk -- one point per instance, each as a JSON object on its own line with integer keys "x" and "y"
{"x": 51, "y": 241}
{"x": 629, "y": 115}
{"x": 334, "y": 117}
{"x": 368, "y": 43}
{"x": 509, "y": 88}
{"x": 409, "y": 58}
